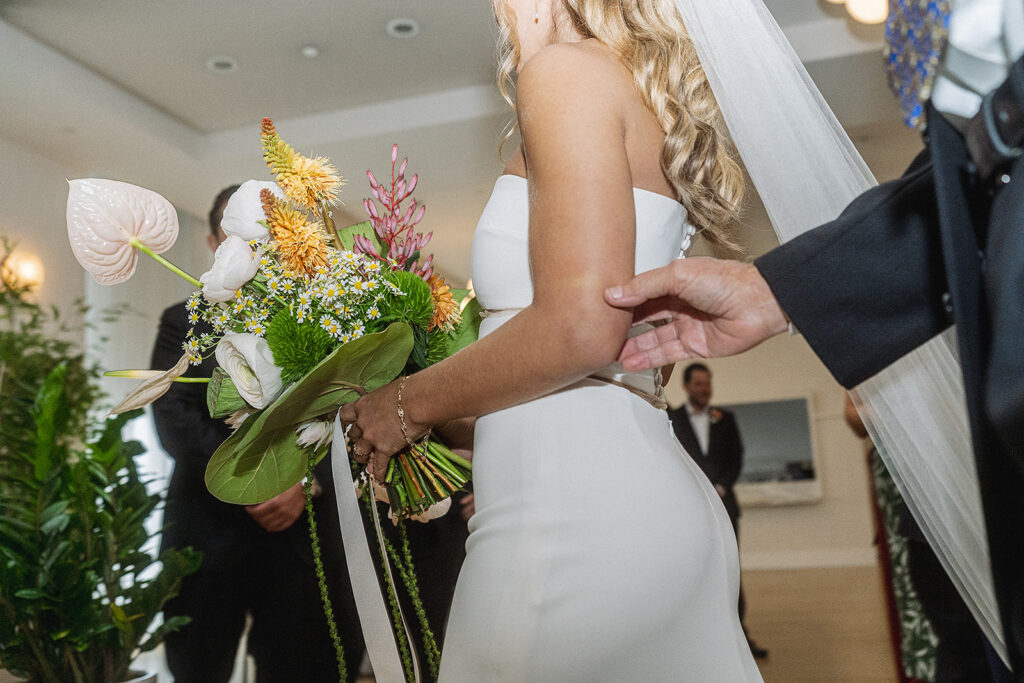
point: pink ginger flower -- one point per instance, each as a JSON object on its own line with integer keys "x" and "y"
{"x": 393, "y": 225}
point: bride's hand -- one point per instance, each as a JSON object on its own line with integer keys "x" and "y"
{"x": 375, "y": 430}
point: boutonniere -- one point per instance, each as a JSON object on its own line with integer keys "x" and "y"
{"x": 716, "y": 415}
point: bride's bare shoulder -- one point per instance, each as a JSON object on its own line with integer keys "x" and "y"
{"x": 584, "y": 73}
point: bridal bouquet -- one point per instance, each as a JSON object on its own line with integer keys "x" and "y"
{"x": 302, "y": 318}
{"x": 305, "y": 318}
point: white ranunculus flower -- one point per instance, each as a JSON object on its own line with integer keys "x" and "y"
{"x": 244, "y": 211}
{"x": 317, "y": 433}
{"x": 249, "y": 362}
{"x": 234, "y": 264}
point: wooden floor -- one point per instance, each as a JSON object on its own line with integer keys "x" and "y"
{"x": 820, "y": 624}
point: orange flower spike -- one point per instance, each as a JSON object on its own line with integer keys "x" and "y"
{"x": 306, "y": 182}
{"x": 301, "y": 246}
{"x": 446, "y": 311}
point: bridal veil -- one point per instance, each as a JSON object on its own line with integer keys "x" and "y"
{"x": 806, "y": 171}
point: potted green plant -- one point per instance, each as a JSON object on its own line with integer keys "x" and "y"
{"x": 77, "y": 592}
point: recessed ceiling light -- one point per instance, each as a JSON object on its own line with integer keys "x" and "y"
{"x": 222, "y": 64}
{"x": 309, "y": 51}
{"x": 403, "y": 28}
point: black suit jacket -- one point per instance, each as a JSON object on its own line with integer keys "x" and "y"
{"x": 724, "y": 460}
{"x": 192, "y": 516}
{"x": 902, "y": 263}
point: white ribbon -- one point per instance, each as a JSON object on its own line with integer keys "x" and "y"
{"x": 373, "y": 610}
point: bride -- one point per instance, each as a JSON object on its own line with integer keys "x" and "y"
{"x": 598, "y": 551}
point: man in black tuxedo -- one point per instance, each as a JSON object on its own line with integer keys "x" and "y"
{"x": 257, "y": 559}
{"x": 711, "y": 437}
{"x": 943, "y": 244}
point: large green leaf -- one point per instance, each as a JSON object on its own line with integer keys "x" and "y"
{"x": 261, "y": 459}
{"x": 469, "y": 329}
{"x": 270, "y": 465}
{"x": 365, "y": 364}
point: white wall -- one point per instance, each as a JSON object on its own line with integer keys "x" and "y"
{"x": 33, "y": 194}
{"x": 838, "y": 529}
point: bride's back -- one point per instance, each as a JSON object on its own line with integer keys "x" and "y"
{"x": 642, "y": 136}
{"x": 637, "y": 57}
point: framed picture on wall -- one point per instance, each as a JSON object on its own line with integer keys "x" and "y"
{"x": 779, "y": 463}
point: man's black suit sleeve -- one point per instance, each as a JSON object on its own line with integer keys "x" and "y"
{"x": 733, "y": 464}
{"x": 182, "y": 421}
{"x": 867, "y": 288}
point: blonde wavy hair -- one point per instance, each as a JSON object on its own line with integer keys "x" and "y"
{"x": 649, "y": 38}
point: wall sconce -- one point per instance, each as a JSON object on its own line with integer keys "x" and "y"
{"x": 22, "y": 269}
{"x": 866, "y": 11}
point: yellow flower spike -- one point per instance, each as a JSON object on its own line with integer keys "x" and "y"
{"x": 306, "y": 181}
{"x": 301, "y": 245}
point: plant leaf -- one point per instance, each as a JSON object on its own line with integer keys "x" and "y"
{"x": 262, "y": 459}
{"x": 49, "y": 414}
{"x": 270, "y": 465}
{"x": 222, "y": 397}
{"x": 369, "y": 363}
{"x": 469, "y": 328}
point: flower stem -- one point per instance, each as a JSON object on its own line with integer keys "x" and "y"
{"x": 165, "y": 263}
{"x": 332, "y": 626}
{"x": 332, "y": 230}
{"x": 262, "y": 289}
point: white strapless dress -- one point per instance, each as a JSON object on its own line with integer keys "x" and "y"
{"x": 598, "y": 551}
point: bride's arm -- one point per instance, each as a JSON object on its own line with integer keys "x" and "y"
{"x": 582, "y": 240}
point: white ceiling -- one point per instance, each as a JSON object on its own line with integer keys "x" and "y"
{"x": 118, "y": 88}
{"x": 158, "y": 50}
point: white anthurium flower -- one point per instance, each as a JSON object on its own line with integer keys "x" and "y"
{"x": 155, "y": 385}
{"x": 317, "y": 433}
{"x": 234, "y": 264}
{"x": 244, "y": 211}
{"x": 249, "y": 363}
{"x": 108, "y": 220}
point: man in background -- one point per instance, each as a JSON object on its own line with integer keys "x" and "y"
{"x": 257, "y": 560}
{"x": 712, "y": 439}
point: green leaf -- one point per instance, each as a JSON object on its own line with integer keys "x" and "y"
{"x": 222, "y": 397}
{"x": 29, "y": 594}
{"x": 262, "y": 459}
{"x": 469, "y": 329}
{"x": 53, "y": 510}
{"x": 270, "y": 465}
{"x": 366, "y": 230}
{"x": 47, "y": 412}
{"x": 367, "y": 363}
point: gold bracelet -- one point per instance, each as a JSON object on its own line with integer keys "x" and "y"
{"x": 401, "y": 417}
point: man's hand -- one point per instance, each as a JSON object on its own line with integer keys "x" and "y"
{"x": 714, "y": 308}
{"x": 281, "y": 511}
{"x": 467, "y": 506}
